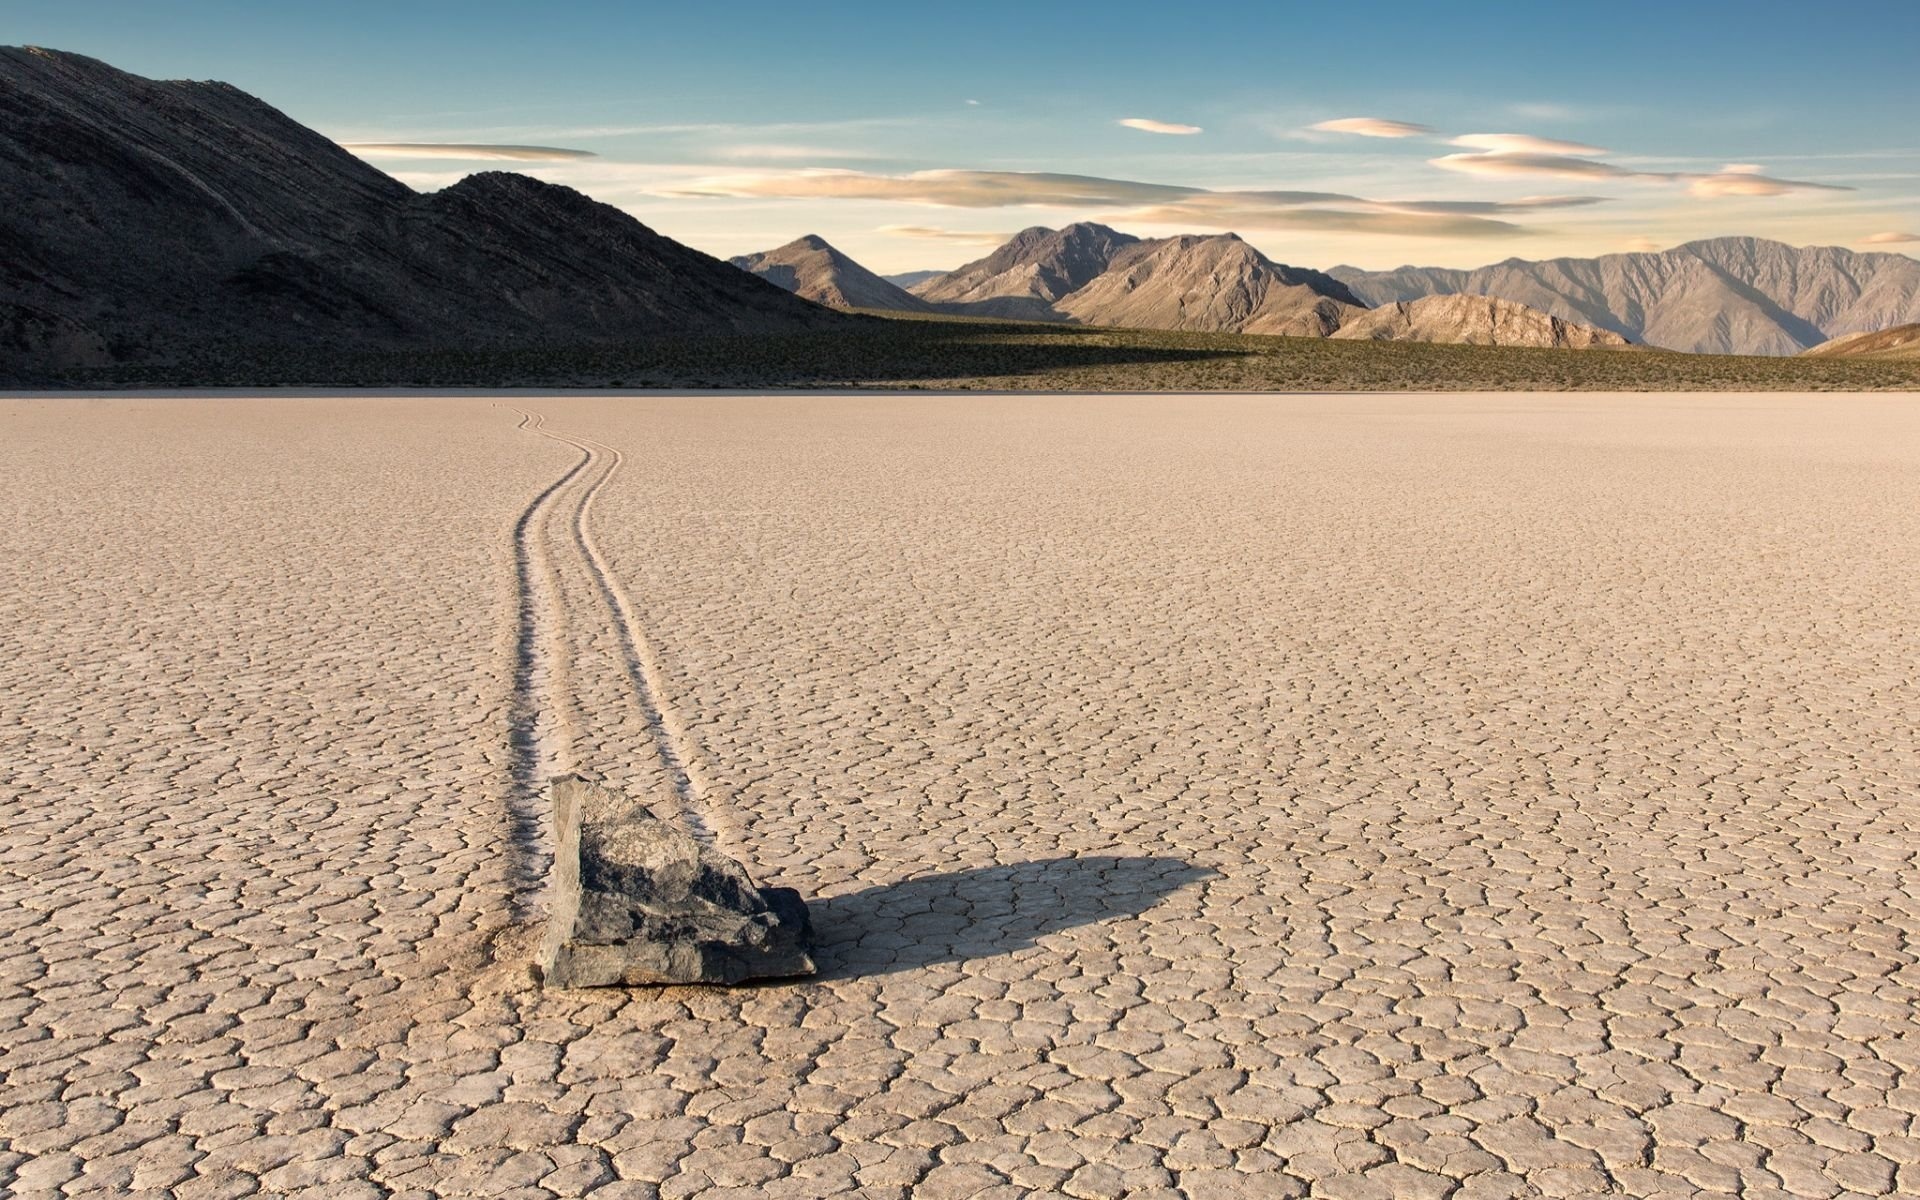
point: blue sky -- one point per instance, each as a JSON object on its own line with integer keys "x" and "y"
{"x": 915, "y": 136}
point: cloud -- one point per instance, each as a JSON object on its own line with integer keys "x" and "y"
{"x": 1149, "y": 125}
{"x": 1374, "y": 127}
{"x": 1523, "y": 143}
{"x": 1523, "y": 204}
{"x": 1222, "y": 210}
{"x": 764, "y": 131}
{"x": 1746, "y": 180}
{"x": 1735, "y": 179}
{"x": 948, "y": 189}
{"x": 1644, "y": 245}
{"x": 932, "y": 234}
{"x": 781, "y": 151}
{"x": 1559, "y": 166}
{"x": 973, "y": 104}
{"x": 1153, "y": 203}
{"x": 466, "y": 150}
{"x": 1890, "y": 238}
{"x": 1539, "y": 111}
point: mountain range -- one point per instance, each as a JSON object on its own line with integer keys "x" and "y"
{"x": 1730, "y": 295}
{"x": 156, "y": 221}
{"x": 1092, "y": 275}
{"x": 145, "y": 220}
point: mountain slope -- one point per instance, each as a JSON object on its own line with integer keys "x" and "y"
{"x": 1217, "y": 284}
{"x": 1722, "y": 295}
{"x": 813, "y": 270}
{"x": 1900, "y": 342}
{"x": 908, "y": 280}
{"x": 1024, "y": 277}
{"x": 1473, "y": 321}
{"x": 148, "y": 218}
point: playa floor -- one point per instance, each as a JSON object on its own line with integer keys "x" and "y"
{"x": 1471, "y": 796}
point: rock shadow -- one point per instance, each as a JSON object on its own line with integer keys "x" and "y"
{"x": 984, "y": 912}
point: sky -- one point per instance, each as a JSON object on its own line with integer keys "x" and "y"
{"x": 917, "y": 137}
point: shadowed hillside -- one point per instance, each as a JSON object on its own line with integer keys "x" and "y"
{"x": 148, "y": 220}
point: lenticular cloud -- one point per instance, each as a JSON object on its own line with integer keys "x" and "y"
{"x": 1374, "y": 127}
{"x": 467, "y": 150}
{"x": 1149, "y": 125}
{"x": 1524, "y": 143}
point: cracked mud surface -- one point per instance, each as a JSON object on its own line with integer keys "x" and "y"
{"x": 1340, "y": 796}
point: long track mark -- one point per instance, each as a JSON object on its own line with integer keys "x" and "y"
{"x": 640, "y": 661}
{"x": 540, "y": 736}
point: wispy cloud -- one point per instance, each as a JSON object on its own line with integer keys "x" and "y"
{"x": 948, "y": 188}
{"x": 930, "y": 233}
{"x": 1541, "y": 111}
{"x": 1890, "y": 238}
{"x": 1153, "y": 203}
{"x": 477, "y": 151}
{"x": 748, "y": 131}
{"x": 1149, "y": 125}
{"x": 1749, "y": 179}
{"x": 611, "y": 180}
{"x": 1373, "y": 127}
{"x": 1558, "y": 166}
{"x": 1524, "y": 143}
{"x": 1524, "y": 154}
{"x": 1228, "y": 210}
{"x": 1523, "y": 204}
{"x": 1735, "y": 179}
{"x": 784, "y": 152}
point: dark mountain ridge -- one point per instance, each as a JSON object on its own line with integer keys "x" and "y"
{"x": 146, "y": 219}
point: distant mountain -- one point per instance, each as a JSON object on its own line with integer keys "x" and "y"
{"x": 1093, "y": 275}
{"x": 144, "y": 219}
{"x": 1473, "y": 321}
{"x": 1723, "y": 296}
{"x": 1217, "y": 284}
{"x": 813, "y": 270}
{"x": 1023, "y": 278}
{"x": 1902, "y": 341}
{"x": 911, "y": 279}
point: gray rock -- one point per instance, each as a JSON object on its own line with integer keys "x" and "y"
{"x": 639, "y": 900}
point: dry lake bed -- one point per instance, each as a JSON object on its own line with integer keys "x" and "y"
{"x": 1401, "y": 796}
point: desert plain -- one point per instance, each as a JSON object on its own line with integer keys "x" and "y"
{"x": 1446, "y": 795}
